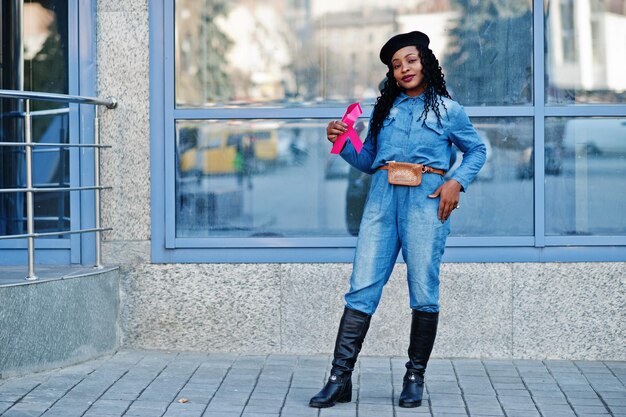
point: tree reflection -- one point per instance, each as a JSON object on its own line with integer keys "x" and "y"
{"x": 489, "y": 58}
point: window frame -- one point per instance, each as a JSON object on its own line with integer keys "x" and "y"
{"x": 164, "y": 114}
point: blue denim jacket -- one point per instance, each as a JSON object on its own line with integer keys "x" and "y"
{"x": 404, "y": 138}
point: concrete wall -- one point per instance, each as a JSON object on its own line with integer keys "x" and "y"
{"x": 47, "y": 324}
{"x": 489, "y": 310}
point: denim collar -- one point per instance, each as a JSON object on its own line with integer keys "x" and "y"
{"x": 403, "y": 97}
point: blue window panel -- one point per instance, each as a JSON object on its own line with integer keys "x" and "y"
{"x": 585, "y": 167}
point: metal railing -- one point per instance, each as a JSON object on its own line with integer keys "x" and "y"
{"x": 26, "y": 97}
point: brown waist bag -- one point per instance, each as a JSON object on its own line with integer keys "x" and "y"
{"x": 405, "y": 173}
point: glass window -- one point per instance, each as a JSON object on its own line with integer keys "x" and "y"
{"x": 585, "y": 51}
{"x": 254, "y": 84}
{"x": 500, "y": 200}
{"x": 246, "y": 178}
{"x": 488, "y": 53}
{"x": 42, "y": 66}
{"x": 302, "y": 53}
{"x": 585, "y": 171}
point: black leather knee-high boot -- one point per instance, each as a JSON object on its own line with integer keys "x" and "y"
{"x": 423, "y": 332}
{"x": 352, "y": 330}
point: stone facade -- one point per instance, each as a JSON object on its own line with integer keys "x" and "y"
{"x": 504, "y": 310}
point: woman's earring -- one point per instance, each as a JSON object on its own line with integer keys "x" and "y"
{"x": 398, "y": 84}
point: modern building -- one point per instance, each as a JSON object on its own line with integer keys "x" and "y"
{"x": 231, "y": 222}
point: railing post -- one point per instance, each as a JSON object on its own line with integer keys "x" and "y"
{"x": 30, "y": 223}
{"x": 97, "y": 190}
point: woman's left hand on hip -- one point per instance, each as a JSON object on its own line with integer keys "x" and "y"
{"x": 449, "y": 193}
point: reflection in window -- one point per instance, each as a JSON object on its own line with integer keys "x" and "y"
{"x": 241, "y": 177}
{"x": 488, "y": 59}
{"x": 258, "y": 178}
{"x": 314, "y": 52}
{"x": 277, "y": 178}
{"x": 585, "y": 53}
{"x": 42, "y": 67}
{"x": 585, "y": 170}
{"x": 500, "y": 200}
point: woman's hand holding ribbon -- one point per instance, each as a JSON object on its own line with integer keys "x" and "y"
{"x": 334, "y": 129}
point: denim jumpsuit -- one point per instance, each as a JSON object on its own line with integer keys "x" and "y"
{"x": 400, "y": 217}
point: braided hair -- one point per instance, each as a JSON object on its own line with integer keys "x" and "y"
{"x": 435, "y": 90}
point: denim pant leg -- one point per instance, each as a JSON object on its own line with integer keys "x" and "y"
{"x": 423, "y": 239}
{"x": 377, "y": 248}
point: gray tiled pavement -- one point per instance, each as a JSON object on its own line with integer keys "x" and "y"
{"x": 153, "y": 384}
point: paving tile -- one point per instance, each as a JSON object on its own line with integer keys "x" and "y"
{"x": 517, "y": 404}
{"x": 143, "y": 407}
{"x": 299, "y": 410}
{"x": 28, "y": 408}
{"x": 584, "y": 401}
{"x": 62, "y": 412}
{"x": 522, "y": 413}
{"x": 218, "y": 414}
{"x": 340, "y": 410}
{"x": 485, "y": 415}
{"x": 4, "y": 405}
{"x": 450, "y": 388}
{"x": 613, "y": 394}
{"x": 446, "y": 409}
{"x": 56, "y": 413}
{"x": 481, "y": 402}
{"x": 617, "y": 409}
{"x": 486, "y": 411}
{"x": 102, "y": 413}
{"x": 449, "y": 399}
{"x": 550, "y": 400}
{"x": 615, "y": 400}
{"x": 588, "y": 409}
{"x": 185, "y": 410}
{"x": 112, "y": 406}
{"x": 375, "y": 410}
{"x": 422, "y": 409}
{"x": 224, "y": 407}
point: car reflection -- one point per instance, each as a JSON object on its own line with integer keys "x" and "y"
{"x": 580, "y": 137}
{"x": 595, "y": 136}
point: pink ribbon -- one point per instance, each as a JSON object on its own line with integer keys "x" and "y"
{"x": 352, "y": 113}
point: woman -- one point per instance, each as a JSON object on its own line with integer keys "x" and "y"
{"x": 414, "y": 120}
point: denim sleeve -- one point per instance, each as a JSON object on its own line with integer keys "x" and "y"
{"x": 362, "y": 161}
{"x": 465, "y": 137}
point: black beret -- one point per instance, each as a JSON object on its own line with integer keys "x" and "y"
{"x": 415, "y": 38}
